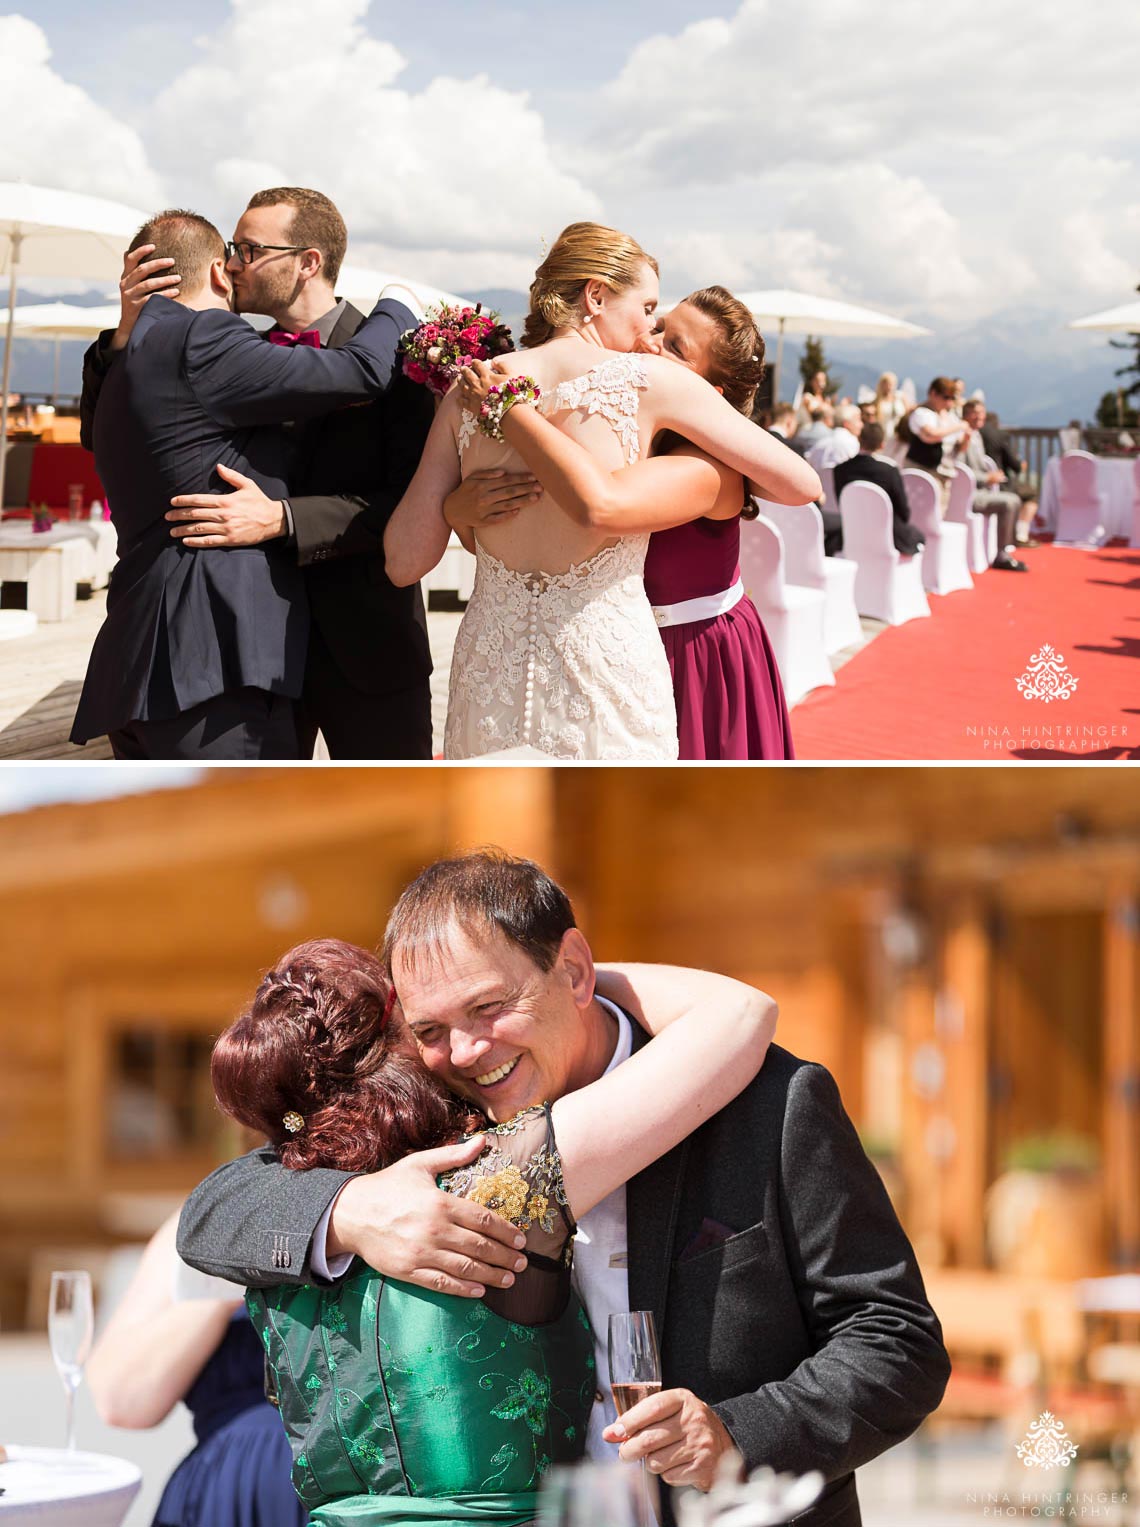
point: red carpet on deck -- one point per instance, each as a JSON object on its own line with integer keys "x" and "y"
{"x": 947, "y": 687}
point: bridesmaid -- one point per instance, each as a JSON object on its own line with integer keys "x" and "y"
{"x": 730, "y": 701}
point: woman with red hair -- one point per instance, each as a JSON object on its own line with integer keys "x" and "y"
{"x": 405, "y": 1405}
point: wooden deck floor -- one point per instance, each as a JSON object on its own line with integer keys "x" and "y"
{"x": 40, "y": 679}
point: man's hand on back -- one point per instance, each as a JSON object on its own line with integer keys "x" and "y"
{"x": 679, "y": 1437}
{"x": 401, "y": 1224}
{"x": 244, "y": 517}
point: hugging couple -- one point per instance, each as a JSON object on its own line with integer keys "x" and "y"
{"x": 442, "y": 1119}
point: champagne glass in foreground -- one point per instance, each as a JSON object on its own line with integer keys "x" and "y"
{"x": 71, "y": 1326}
{"x": 590, "y": 1495}
{"x": 635, "y": 1374}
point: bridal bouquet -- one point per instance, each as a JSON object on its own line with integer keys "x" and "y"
{"x": 449, "y": 339}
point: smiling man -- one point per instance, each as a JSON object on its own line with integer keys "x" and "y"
{"x": 794, "y": 1325}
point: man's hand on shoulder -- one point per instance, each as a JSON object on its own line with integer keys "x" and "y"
{"x": 680, "y": 1437}
{"x": 244, "y": 517}
{"x": 403, "y": 1225}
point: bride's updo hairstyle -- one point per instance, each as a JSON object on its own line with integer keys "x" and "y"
{"x": 582, "y": 252}
{"x": 319, "y": 1049}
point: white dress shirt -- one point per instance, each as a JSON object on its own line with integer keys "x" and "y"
{"x": 839, "y": 446}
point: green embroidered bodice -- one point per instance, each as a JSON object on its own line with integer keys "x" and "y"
{"x": 403, "y": 1405}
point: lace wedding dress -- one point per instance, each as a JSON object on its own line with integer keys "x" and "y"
{"x": 568, "y": 663}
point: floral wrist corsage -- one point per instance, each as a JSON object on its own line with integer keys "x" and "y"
{"x": 502, "y": 398}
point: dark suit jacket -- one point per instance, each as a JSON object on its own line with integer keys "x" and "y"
{"x": 808, "y": 1329}
{"x": 884, "y": 474}
{"x": 193, "y": 389}
{"x": 349, "y": 471}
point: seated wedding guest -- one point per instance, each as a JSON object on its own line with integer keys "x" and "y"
{"x": 928, "y": 427}
{"x": 783, "y": 426}
{"x": 872, "y": 465}
{"x": 843, "y": 441}
{"x": 157, "y": 1350}
{"x": 990, "y": 496}
{"x": 816, "y": 430}
{"x": 999, "y": 447}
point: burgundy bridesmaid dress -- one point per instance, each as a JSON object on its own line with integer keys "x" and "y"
{"x": 730, "y": 702}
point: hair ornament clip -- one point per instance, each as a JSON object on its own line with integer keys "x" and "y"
{"x": 293, "y": 1121}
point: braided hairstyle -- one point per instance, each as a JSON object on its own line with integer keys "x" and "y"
{"x": 322, "y": 1039}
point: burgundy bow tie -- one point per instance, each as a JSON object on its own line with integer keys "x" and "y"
{"x": 305, "y": 337}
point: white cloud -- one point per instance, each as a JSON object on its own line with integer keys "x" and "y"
{"x": 56, "y": 135}
{"x": 461, "y": 165}
{"x": 941, "y": 163}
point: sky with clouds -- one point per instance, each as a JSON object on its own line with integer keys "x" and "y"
{"x": 961, "y": 170}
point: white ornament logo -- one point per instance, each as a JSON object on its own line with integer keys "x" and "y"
{"x": 1046, "y": 1445}
{"x": 1047, "y": 678}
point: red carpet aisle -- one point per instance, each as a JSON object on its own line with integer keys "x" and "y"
{"x": 947, "y": 687}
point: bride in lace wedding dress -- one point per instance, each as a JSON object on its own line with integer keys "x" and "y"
{"x": 558, "y": 650}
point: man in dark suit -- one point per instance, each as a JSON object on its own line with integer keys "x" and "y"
{"x": 870, "y": 466}
{"x": 202, "y": 652}
{"x": 368, "y": 665}
{"x": 794, "y": 1325}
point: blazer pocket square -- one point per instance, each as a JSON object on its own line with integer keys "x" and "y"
{"x": 711, "y": 1233}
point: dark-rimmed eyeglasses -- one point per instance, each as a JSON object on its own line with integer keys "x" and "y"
{"x": 246, "y": 252}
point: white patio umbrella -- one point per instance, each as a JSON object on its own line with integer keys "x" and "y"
{"x": 62, "y": 320}
{"x": 1112, "y": 320}
{"x": 791, "y": 312}
{"x": 44, "y": 232}
{"x": 361, "y": 286}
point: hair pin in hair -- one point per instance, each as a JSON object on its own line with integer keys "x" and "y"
{"x": 293, "y": 1121}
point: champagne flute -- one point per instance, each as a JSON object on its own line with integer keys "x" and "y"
{"x": 71, "y": 1326}
{"x": 635, "y": 1374}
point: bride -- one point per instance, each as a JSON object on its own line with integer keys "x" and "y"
{"x": 558, "y": 650}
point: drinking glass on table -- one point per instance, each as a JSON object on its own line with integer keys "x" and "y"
{"x": 71, "y": 1326}
{"x": 635, "y": 1374}
{"x": 591, "y": 1495}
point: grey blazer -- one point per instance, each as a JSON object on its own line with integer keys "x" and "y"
{"x": 786, "y": 1293}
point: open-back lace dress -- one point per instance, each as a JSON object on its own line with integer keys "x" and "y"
{"x": 568, "y": 663}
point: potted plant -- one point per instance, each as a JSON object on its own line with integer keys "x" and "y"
{"x": 1045, "y": 1214}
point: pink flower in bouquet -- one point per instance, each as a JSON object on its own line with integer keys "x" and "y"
{"x": 415, "y": 371}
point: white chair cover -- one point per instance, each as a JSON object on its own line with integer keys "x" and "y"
{"x": 801, "y": 527}
{"x": 1081, "y": 510}
{"x": 827, "y": 478}
{"x": 959, "y": 511}
{"x": 793, "y": 616}
{"x": 944, "y": 565}
{"x": 888, "y": 586}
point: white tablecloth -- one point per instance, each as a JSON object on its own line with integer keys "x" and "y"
{"x": 54, "y": 1488}
{"x": 1114, "y": 478}
{"x": 99, "y": 535}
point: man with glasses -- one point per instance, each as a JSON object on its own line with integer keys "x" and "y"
{"x": 368, "y": 664}
{"x": 202, "y": 653}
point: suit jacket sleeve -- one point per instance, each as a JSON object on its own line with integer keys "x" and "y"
{"x": 878, "y": 1365}
{"x": 347, "y": 525}
{"x": 252, "y": 1220}
{"x": 240, "y": 380}
{"x": 96, "y": 361}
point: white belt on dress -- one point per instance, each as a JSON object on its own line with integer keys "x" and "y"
{"x": 706, "y": 607}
